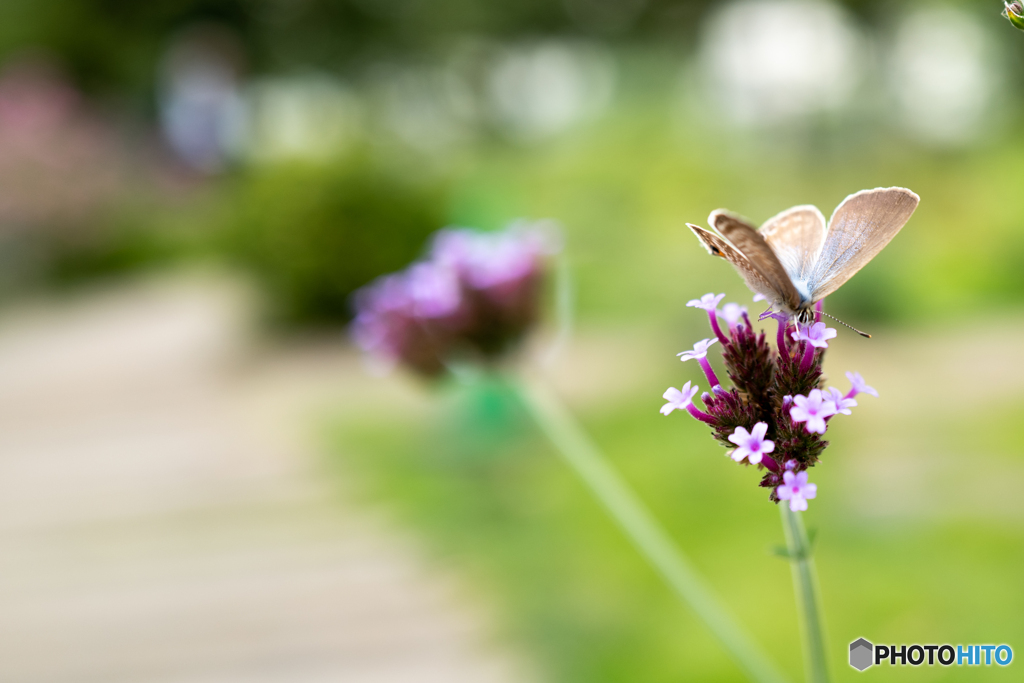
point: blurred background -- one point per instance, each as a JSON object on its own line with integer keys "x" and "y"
{"x": 201, "y": 481}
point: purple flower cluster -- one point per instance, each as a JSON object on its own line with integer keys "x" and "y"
{"x": 776, "y": 412}
{"x": 474, "y": 296}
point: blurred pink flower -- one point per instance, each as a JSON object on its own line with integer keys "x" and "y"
{"x": 59, "y": 163}
{"x": 858, "y": 386}
{"x": 708, "y": 302}
{"x": 842, "y": 403}
{"x": 476, "y": 293}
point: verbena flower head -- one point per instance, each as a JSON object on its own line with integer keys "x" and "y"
{"x": 776, "y": 413}
{"x": 475, "y": 295}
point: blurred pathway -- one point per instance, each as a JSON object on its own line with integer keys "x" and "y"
{"x": 161, "y": 518}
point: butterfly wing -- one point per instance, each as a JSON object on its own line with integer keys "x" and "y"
{"x": 759, "y": 256}
{"x": 719, "y": 246}
{"x": 796, "y": 236}
{"x": 859, "y": 228}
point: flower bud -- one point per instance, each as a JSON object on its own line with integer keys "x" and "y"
{"x": 1014, "y": 11}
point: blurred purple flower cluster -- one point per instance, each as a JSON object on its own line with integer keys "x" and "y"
{"x": 776, "y": 413}
{"x": 60, "y": 163}
{"x": 473, "y": 297}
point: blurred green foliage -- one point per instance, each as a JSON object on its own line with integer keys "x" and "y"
{"x": 503, "y": 507}
{"x": 125, "y": 241}
{"x": 313, "y": 234}
{"x": 113, "y": 47}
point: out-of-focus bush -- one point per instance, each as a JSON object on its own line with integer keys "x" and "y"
{"x": 313, "y": 234}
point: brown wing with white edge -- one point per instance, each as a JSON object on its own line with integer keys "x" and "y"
{"x": 759, "y": 255}
{"x": 796, "y": 236}
{"x": 719, "y": 246}
{"x": 859, "y": 228}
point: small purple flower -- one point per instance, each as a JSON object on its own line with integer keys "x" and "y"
{"x": 842, "y": 403}
{"x": 858, "y": 386}
{"x": 708, "y": 302}
{"x": 759, "y": 297}
{"x": 732, "y": 313}
{"x": 796, "y": 490}
{"x": 817, "y": 335}
{"x": 700, "y": 354}
{"x": 700, "y": 350}
{"x": 812, "y": 409}
{"x": 678, "y": 399}
{"x": 751, "y": 445}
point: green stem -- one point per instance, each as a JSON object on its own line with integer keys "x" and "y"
{"x": 808, "y": 597}
{"x": 642, "y": 529}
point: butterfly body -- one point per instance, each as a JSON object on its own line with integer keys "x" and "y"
{"x": 795, "y": 259}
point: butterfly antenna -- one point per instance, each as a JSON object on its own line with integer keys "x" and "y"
{"x": 863, "y": 334}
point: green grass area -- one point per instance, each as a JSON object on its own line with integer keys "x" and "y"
{"x": 477, "y": 478}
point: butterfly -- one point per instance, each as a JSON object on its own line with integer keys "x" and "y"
{"x": 795, "y": 260}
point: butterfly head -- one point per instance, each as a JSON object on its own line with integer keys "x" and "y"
{"x": 805, "y": 315}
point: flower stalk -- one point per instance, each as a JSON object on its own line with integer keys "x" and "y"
{"x": 808, "y": 597}
{"x": 641, "y": 528}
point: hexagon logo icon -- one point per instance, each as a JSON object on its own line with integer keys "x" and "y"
{"x": 861, "y": 654}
